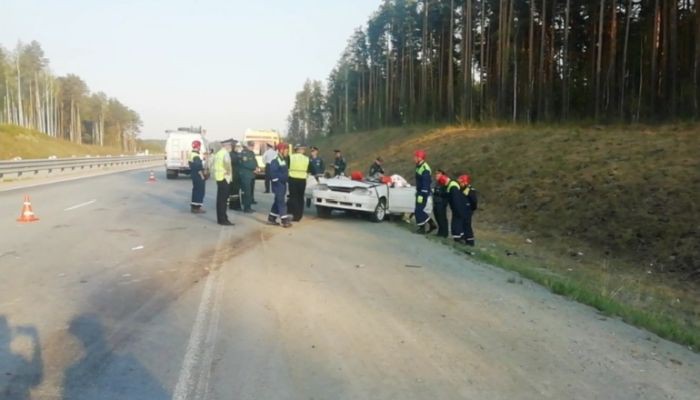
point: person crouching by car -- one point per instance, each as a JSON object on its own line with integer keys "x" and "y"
{"x": 376, "y": 171}
{"x": 471, "y": 204}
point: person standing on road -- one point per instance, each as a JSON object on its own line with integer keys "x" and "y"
{"x": 246, "y": 175}
{"x": 376, "y": 170}
{"x": 279, "y": 175}
{"x": 269, "y": 155}
{"x": 223, "y": 174}
{"x": 339, "y": 165}
{"x": 197, "y": 173}
{"x": 455, "y": 199}
{"x": 318, "y": 168}
{"x": 423, "y": 183}
{"x": 471, "y": 204}
{"x": 440, "y": 203}
{"x": 299, "y": 168}
{"x": 234, "y": 195}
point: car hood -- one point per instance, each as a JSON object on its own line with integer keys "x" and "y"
{"x": 348, "y": 183}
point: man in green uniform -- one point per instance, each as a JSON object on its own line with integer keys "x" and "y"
{"x": 339, "y": 165}
{"x": 246, "y": 174}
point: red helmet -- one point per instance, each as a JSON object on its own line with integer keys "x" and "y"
{"x": 281, "y": 146}
{"x": 443, "y": 180}
{"x": 196, "y": 144}
{"x": 420, "y": 154}
{"x": 464, "y": 180}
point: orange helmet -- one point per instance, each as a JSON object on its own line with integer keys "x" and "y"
{"x": 196, "y": 144}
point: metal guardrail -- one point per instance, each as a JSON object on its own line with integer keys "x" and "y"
{"x": 17, "y": 169}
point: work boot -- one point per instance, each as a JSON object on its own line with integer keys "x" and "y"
{"x": 469, "y": 242}
{"x": 198, "y": 210}
{"x": 226, "y": 223}
{"x": 272, "y": 220}
{"x": 431, "y": 226}
{"x": 286, "y": 223}
{"x": 421, "y": 230}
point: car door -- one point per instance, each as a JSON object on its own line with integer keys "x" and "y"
{"x": 402, "y": 200}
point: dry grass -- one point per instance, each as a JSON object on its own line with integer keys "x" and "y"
{"x": 623, "y": 196}
{"x": 28, "y": 144}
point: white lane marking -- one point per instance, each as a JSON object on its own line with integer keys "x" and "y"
{"x": 189, "y": 382}
{"x": 75, "y": 207}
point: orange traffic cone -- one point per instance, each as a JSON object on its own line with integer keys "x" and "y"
{"x": 27, "y": 213}
{"x": 152, "y": 177}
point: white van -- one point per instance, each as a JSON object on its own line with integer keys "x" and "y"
{"x": 178, "y": 147}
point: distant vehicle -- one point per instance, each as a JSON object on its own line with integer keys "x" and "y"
{"x": 178, "y": 147}
{"x": 260, "y": 141}
{"x": 375, "y": 199}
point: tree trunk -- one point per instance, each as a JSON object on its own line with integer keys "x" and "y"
{"x": 623, "y": 70}
{"x": 599, "y": 58}
{"x": 450, "y": 66}
{"x": 696, "y": 74}
{"x": 565, "y": 63}
{"x": 672, "y": 76}
{"x": 467, "y": 63}
{"x": 610, "y": 79}
{"x": 655, "y": 42}
{"x": 541, "y": 82}
{"x": 531, "y": 63}
{"x": 20, "y": 112}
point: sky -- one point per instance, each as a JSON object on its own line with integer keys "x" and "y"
{"x": 226, "y": 65}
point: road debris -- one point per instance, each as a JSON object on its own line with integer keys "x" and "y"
{"x": 412, "y": 266}
{"x": 137, "y": 248}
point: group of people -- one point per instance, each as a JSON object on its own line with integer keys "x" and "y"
{"x": 234, "y": 168}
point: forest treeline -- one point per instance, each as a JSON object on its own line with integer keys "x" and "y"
{"x": 525, "y": 61}
{"x": 63, "y": 107}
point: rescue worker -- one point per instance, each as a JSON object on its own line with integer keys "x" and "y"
{"x": 269, "y": 155}
{"x": 234, "y": 199}
{"x": 246, "y": 176}
{"x": 197, "y": 173}
{"x": 223, "y": 174}
{"x": 376, "y": 170}
{"x": 318, "y": 168}
{"x": 440, "y": 203}
{"x": 279, "y": 175}
{"x": 299, "y": 168}
{"x": 471, "y": 204}
{"x": 457, "y": 205}
{"x": 339, "y": 165}
{"x": 423, "y": 178}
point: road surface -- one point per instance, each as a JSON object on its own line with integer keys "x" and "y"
{"x": 118, "y": 292}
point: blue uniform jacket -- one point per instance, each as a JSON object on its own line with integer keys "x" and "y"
{"x": 458, "y": 202}
{"x": 423, "y": 179}
{"x": 279, "y": 171}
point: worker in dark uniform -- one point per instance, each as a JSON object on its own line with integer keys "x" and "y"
{"x": 269, "y": 155}
{"x": 423, "y": 182}
{"x": 339, "y": 165}
{"x": 471, "y": 204}
{"x": 234, "y": 200}
{"x": 376, "y": 170}
{"x": 318, "y": 168}
{"x": 458, "y": 206}
{"x": 440, "y": 203}
{"x": 246, "y": 174}
{"x": 299, "y": 168}
{"x": 279, "y": 175}
{"x": 197, "y": 173}
{"x": 223, "y": 174}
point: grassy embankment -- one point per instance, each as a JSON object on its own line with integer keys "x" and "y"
{"x": 27, "y": 144}
{"x": 607, "y": 216}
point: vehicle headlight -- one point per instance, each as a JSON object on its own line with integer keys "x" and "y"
{"x": 361, "y": 192}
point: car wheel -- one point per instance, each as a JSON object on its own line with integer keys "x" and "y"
{"x": 323, "y": 212}
{"x": 171, "y": 174}
{"x": 380, "y": 212}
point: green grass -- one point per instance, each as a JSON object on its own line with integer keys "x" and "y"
{"x": 27, "y": 144}
{"x": 625, "y": 197}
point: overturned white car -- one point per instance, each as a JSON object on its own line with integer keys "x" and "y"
{"x": 373, "y": 198}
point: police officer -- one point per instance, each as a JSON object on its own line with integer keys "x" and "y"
{"x": 440, "y": 203}
{"x": 376, "y": 170}
{"x": 423, "y": 178}
{"x": 223, "y": 174}
{"x": 339, "y": 165}
{"x": 279, "y": 175}
{"x": 197, "y": 173}
{"x": 246, "y": 175}
{"x": 471, "y": 204}
{"x": 318, "y": 168}
{"x": 234, "y": 199}
{"x": 299, "y": 168}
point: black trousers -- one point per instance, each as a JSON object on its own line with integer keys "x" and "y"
{"x": 295, "y": 204}
{"x": 267, "y": 178}
{"x": 222, "y": 190}
{"x": 440, "y": 211}
{"x": 252, "y": 188}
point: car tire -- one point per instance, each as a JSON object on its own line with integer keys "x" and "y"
{"x": 323, "y": 212}
{"x": 171, "y": 174}
{"x": 380, "y": 212}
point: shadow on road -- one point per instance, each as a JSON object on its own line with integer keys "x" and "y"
{"x": 19, "y": 373}
{"x": 104, "y": 374}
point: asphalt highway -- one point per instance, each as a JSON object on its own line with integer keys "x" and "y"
{"x": 118, "y": 292}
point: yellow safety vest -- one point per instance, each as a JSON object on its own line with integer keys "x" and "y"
{"x": 298, "y": 166}
{"x": 220, "y": 164}
{"x": 193, "y": 155}
{"x": 451, "y": 185}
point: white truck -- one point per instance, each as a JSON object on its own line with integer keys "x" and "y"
{"x": 375, "y": 199}
{"x": 177, "y": 149}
